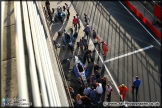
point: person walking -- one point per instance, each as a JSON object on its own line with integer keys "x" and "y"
{"x": 87, "y": 31}
{"x": 86, "y": 18}
{"x": 75, "y": 21}
{"x": 123, "y": 90}
{"x": 98, "y": 42}
{"x": 67, "y": 8}
{"x": 108, "y": 90}
{"x": 85, "y": 43}
{"x": 99, "y": 91}
{"x": 93, "y": 96}
{"x": 87, "y": 56}
{"x": 78, "y": 100}
{"x": 94, "y": 34}
{"x": 104, "y": 48}
{"x": 78, "y": 20}
{"x": 103, "y": 81}
{"x": 136, "y": 84}
{"x": 87, "y": 90}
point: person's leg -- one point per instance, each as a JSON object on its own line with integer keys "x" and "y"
{"x": 136, "y": 91}
{"x": 124, "y": 96}
{"x": 105, "y": 52}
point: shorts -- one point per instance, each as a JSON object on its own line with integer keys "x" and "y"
{"x": 99, "y": 95}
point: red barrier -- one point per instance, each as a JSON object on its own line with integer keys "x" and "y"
{"x": 157, "y": 11}
{"x": 143, "y": 19}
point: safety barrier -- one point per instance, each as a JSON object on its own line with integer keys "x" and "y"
{"x": 20, "y": 55}
{"x": 60, "y": 67}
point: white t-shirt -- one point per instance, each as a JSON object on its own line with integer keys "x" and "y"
{"x": 108, "y": 89}
{"x": 99, "y": 88}
{"x": 67, "y": 7}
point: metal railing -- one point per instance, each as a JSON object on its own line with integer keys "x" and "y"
{"x": 60, "y": 68}
{"x": 44, "y": 89}
{"x": 32, "y": 66}
{"x": 20, "y": 55}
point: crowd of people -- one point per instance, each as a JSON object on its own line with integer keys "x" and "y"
{"x": 92, "y": 92}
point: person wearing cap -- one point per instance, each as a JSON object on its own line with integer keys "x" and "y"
{"x": 136, "y": 84}
{"x": 123, "y": 90}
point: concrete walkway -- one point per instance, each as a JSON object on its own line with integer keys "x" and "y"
{"x": 9, "y": 86}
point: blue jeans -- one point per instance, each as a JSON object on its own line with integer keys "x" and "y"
{"x": 93, "y": 100}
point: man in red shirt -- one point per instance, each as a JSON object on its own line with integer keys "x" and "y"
{"x": 123, "y": 90}
{"x": 75, "y": 21}
{"x": 104, "y": 48}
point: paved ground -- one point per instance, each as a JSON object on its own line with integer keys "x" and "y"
{"x": 65, "y": 53}
{"x": 123, "y": 35}
{"x": 9, "y": 87}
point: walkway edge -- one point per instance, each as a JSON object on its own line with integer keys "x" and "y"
{"x": 142, "y": 18}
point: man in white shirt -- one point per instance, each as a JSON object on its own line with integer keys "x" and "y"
{"x": 99, "y": 91}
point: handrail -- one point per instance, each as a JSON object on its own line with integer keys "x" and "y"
{"x": 60, "y": 68}
{"x": 32, "y": 66}
{"x": 39, "y": 65}
{"x": 2, "y": 23}
{"x": 54, "y": 90}
{"x": 42, "y": 60}
{"x": 20, "y": 55}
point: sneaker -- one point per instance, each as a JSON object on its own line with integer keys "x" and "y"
{"x": 99, "y": 101}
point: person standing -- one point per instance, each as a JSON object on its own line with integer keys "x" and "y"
{"x": 123, "y": 91}
{"x": 87, "y": 31}
{"x": 103, "y": 81}
{"x": 78, "y": 100}
{"x": 67, "y": 8}
{"x": 99, "y": 91}
{"x": 78, "y": 20}
{"x": 86, "y": 101}
{"x": 87, "y": 90}
{"x": 94, "y": 34}
{"x": 47, "y": 3}
{"x": 108, "y": 90}
{"x": 85, "y": 43}
{"x": 136, "y": 84}
{"x": 93, "y": 81}
{"x": 104, "y": 48}
{"x": 96, "y": 70}
{"x": 87, "y": 56}
{"x": 93, "y": 96}
{"x": 75, "y": 21}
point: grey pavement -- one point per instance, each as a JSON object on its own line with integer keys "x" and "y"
{"x": 9, "y": 86}
{"x": 124, "y": 34}
{"x": 64, "y": 53}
